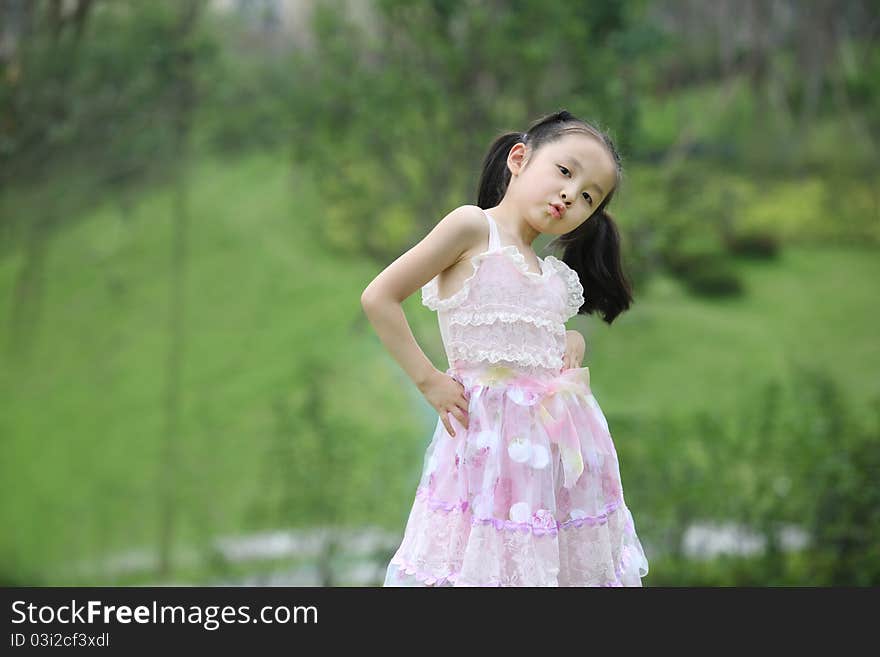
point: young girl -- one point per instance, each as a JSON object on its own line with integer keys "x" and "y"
{"x": 520, "y": 484}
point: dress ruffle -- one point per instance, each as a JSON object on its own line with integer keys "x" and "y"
{"x": 479, "y": 316}
{"x": 431, "y": 294}
{"x": 525, "y": 355}
{"x": 573, "y": 284}
{"x": 528, "y": 495}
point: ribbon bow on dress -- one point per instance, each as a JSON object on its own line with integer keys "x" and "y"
{"x": 553, "y": 410}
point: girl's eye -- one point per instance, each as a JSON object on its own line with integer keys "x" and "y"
{"x": 565, "y": 172}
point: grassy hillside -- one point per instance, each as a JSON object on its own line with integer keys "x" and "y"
{"x": 814, "y": 306}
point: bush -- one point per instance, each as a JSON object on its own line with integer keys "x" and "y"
{"x": 833, "y": 460}
{"x": 798, "y": 456}
{"x": 706, "y": 274}
{"x": 763, "y": 246}
{"x": 846, "y": 521}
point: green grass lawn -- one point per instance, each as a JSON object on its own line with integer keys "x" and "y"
{"x": 268, "y": 314}
{"x": 814, "y": 307}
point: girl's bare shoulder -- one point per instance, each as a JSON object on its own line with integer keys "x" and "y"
{"x": 456, "y": 237}
{"x": 468, "y": 224}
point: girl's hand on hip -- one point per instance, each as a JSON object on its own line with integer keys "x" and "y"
{"x": 447, "y": 396}
{"x": 575, "y": 346}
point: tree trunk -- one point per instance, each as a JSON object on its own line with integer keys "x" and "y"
{"x": 184, "y": 102}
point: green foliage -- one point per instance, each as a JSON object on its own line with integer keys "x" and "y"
{"x": 245, "y": 93}
{"x": 368, "y": 90}
{"x": 797, "y": 455}
{"x": 351, "y": 110}
{"x": 845, "y": 518}
{"x": 105, "y": 99}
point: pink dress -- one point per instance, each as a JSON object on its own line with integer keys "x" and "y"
{"x": 530, "y": 493}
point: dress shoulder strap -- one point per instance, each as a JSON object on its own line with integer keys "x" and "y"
{"x": 494, "y": 240}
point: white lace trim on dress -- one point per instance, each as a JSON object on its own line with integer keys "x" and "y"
{"x": 573, "y": 284}
{"x": 514, "y": 354}
{"x": 430, "y": 293}
{"x": 478, "y": 317}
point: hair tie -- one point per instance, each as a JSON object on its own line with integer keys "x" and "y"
{"x": 524, "y": 135}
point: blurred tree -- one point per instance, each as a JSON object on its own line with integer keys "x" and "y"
{"x": 64, "y": 32}
{"x": 87, "y": 103}
{"x": 399, "y": 110}
{"x": 179, "y": 68}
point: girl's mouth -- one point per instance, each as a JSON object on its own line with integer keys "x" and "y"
{"x": 555, "y": 211}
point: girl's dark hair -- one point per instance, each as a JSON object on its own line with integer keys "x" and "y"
{"x": 592, "y": 249}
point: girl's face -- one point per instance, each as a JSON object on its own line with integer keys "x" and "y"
{"x": 575, "y": 173}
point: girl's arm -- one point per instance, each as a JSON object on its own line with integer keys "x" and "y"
{"x": 454, "y": 235}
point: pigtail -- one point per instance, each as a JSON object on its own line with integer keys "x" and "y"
{"x": 593, "y": 251}
{"x": 495, "y": 175}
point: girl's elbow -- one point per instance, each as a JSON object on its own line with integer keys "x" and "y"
{"x": 371, "y": 298}
{"x": 368, "y": 298}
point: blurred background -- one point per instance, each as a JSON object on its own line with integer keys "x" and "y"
{"x": 194, "y": 194}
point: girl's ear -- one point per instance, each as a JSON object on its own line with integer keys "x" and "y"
{"x": 517, "y": 158}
